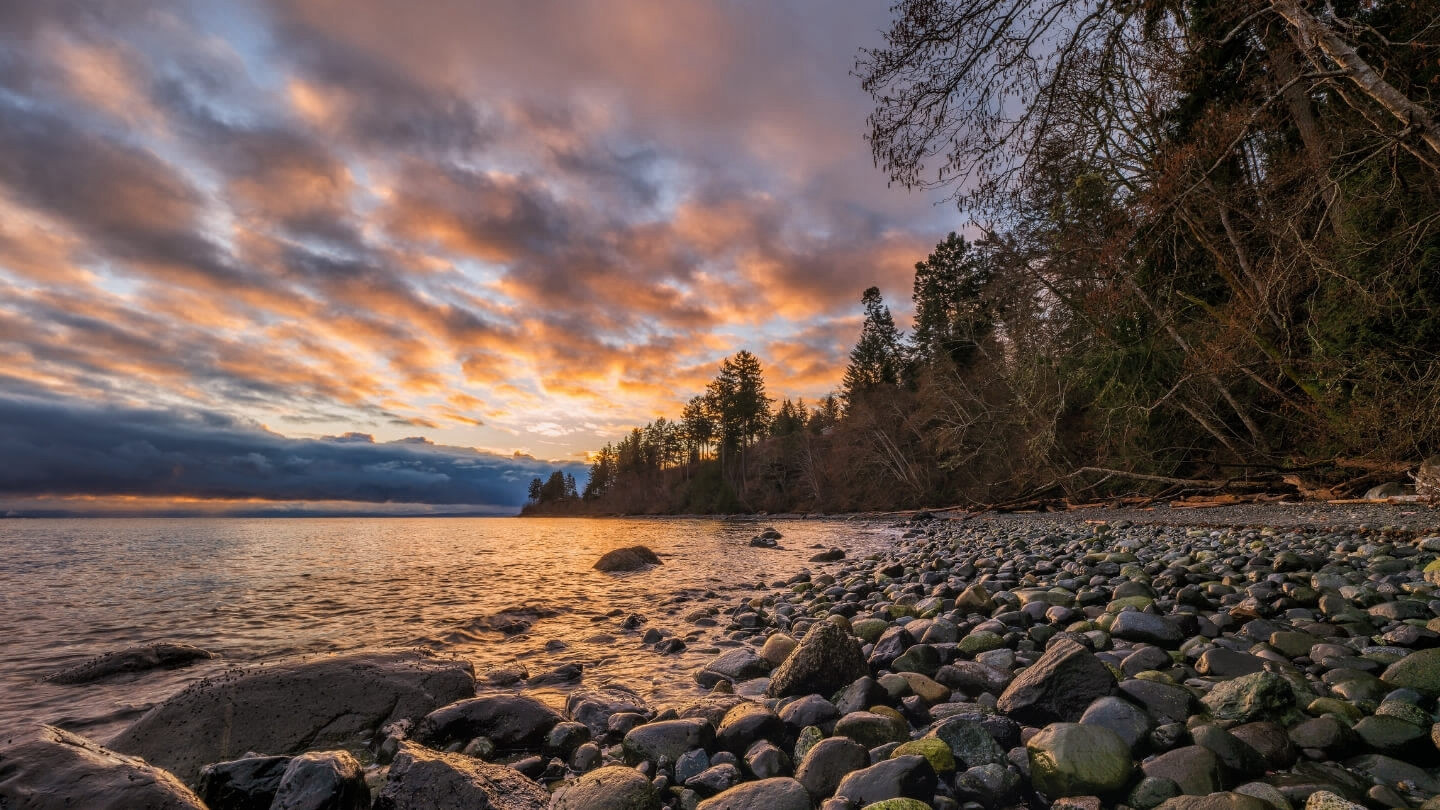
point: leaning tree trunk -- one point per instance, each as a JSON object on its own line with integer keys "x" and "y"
{"x": 1313, "y": 31}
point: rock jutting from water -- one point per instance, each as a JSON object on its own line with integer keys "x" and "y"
{"x": 630, "y": 558}
{"x": 975, "y": 665}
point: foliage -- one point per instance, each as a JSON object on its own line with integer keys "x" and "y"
{"x": 1209, "y": 244}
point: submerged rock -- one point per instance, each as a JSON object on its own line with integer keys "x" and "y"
{"x": 47, "y": 768}
{"x": 341, "y": 701}
{"x": 160, "y": 655}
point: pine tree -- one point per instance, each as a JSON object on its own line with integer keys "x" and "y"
{"x": 876, "y": 359}
{"x": 737, "y": 398}
{"x": 951, "y": 315}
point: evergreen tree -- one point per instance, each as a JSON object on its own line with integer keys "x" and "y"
{"x": 699, "y": 428}
{"x": 737, "y": 398}
{"x": 951, "y": 315}
{"x": 535, "y": 489}
{"x": 876, "y": 359}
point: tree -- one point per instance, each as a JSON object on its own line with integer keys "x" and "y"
{"x": 736, "y": 397}
{"x": 951, "y": 313}
{"x": 535, "y": 489}
{"x": 789, "y": 419}
{"x": 876, "y": 359}
{"x": 699, "y": 427}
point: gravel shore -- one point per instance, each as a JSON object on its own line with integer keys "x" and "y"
{"x": 1239, "y": 657}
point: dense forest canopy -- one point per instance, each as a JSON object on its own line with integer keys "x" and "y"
{"x": 1206, "y": 246}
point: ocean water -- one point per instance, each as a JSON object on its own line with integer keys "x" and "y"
{"x": 260, "y": 590}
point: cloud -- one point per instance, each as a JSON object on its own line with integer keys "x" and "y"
{"x": 63, "y": 449}
{"x": 514, "y": 222}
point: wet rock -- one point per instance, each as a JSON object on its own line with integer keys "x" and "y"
{"x": 811, "y": 710}
{"x": 871, "y": 729}
{"x": 1216, "y": 801}
{"x": 1225, "y": 663}
{"x": 1195, "y": 769}
{"x": 973, "y": 677}
{"x": 1270, "y": 741}
{"x": 1128, "y": 721}
{"x": 777, "y": 648}
{"x": 1134, "y": 625}
{"x": 631, "y": 558}
{"x": 745, "y": 724}
{"x": 610, "y": 788}
{"x": 1070, "y": 759}
{"x": 340, "y": 701}
{"x": 1258, "y": 696}
{"x": 44, "y": 768}
{"x": 935, "y": 751}
{"x": 594, "y": 706}
{"x": 565, "y": 673}
{"x": 159, "y": 655}
{"x": 740, "y": 664}
{"x": 1325, "y": 800}
{"x": 970, "y": 743}
{"x": 780, "y": 793}
{"x": 242, "y": 784}
{"x": 826, "y": 660}
{"x": 1058, "y": 687}
{"x": 902, "y": 777}
{"x": 714, "y": 779}
{"x": 422, "y": 779}
{"x": 827, "y": 762}
{"x": 564, "y": 738}
{"x": 512, "y": 722}
{"x": 764, "y": 760}
{"x": 1420, "y": 670}
{"x": 667, "y": 738}
{"x": 322, "y": 780}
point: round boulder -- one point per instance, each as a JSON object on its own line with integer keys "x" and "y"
{"x": 630, "y": 558}
{"x": 613, "y": 787}
{"x": 1070, "y": 759}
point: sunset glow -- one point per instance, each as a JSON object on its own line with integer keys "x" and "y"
{"x": 511, "y": 229}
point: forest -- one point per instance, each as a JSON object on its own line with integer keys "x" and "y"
{"x": 1204, "y": 255}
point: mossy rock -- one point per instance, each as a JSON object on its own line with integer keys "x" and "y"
{"x": 936, "y": 751}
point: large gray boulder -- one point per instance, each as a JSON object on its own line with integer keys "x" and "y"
{"x": 512, "y": 722}
{"x": 160, "y": 655}
{"x": 45, "y": 768}
{"x": 333, "y": 701}
{"x": 1058, "y": 687}
{"x": 827, "y": 660}
{"x": 421, "y": 779}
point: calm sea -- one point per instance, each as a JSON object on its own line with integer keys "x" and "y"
{"x": 257, "y": 590}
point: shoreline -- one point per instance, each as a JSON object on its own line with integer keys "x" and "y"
{"x": 959, "y": 620}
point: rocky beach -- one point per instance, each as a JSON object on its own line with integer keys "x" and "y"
{"x": 1265, "y": 658}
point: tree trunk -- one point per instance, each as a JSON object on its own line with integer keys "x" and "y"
{"x": 1313, "y": 31}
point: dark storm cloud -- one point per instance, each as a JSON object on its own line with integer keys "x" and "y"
{"x": 60, "y": 449}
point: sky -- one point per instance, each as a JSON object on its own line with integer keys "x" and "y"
{"x": 340, "y": 254}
